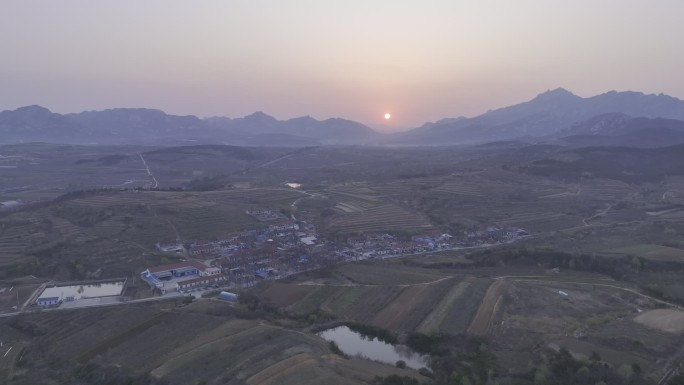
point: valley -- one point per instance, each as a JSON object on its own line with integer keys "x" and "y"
{"x": 538, "y": 265}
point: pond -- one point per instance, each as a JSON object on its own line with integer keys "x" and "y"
{"x": 103, "y": 289}
{"x": 353, "y": 343}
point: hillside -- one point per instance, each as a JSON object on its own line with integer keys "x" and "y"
{"x": 630, "y": 165}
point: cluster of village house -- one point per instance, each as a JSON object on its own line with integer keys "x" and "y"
{"x": 281, "y": 248}
{"x": 287, "y": 247}
{"x": 380, "y": 245}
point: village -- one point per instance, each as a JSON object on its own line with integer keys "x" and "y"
{"x": 282, "y": 248}
{"x": 289, "y": 247}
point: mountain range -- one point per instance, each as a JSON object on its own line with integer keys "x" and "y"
{"x": 555, "y": 116}
{"x": 548, "y": 113}
{"x": 154, "y": 127}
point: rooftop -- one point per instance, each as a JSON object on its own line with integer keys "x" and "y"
{"x": 176, "y": 266}
{"x": 47, "y": 299}
{"x": 210, "y": 278}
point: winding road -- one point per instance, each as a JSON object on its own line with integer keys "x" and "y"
{"x": 156, "y": 183}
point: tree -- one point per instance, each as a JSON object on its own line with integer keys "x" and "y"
{"x": 595, "y": 358}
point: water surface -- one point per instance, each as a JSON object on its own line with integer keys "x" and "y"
{"x": 353, "y": 343}
{"x": 84, "y": 291}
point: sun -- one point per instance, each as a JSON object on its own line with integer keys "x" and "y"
{"x": 387, "y": 115}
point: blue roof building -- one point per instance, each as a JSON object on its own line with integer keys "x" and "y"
{"x": 48, "y": 301}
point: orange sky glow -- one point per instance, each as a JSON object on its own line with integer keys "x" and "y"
{"x": 422, "y": 61}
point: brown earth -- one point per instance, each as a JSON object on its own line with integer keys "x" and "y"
{"x": 392, "y": 316}
{"x": 435, "y": 318}
{"x": 284, "y": 295}
{"x": 667, "y": 320}
{"x": 278, "y": 369}
{"x": 411, "y": 302}
{"x": 482, "y": 322}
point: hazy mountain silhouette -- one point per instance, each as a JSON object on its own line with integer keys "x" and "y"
{"x": 35, "y": 123}
{"x": 621, "y": 130}
{"x": 649, "y": 119}
{"x": 546, "y": 114}
{"x": 329, "y": 131}
{"x": 148, "y": 126}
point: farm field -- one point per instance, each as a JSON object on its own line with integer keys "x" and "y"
{"x": 14, "y": 294}
{"x": 411, "y": 306}
{"x": 583, "y": 350}
{"x": 44, "y": 171}
{"x": 459, "y": 315}
{"x": 387, "y": 274}
{"x": 181, "y": 345}
{"x": 383, "y": 218}
{"x": 284, "y": 294}
{"x": 586, "y": 318}
{"x": 435, "y": 318}
{"x": 484, "y": 318}
{"x": 517, "y": 313}
{"x": 391, "y": 296}
{"x": 650, "y": 251}
{"x": 597, "y": 224}
{"x": 114, "y": 233}
{"x": 667, "y": 320}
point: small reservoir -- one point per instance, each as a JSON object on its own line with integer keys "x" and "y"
{"x": 82, "y": 291}
{"x": 354, "y": 344}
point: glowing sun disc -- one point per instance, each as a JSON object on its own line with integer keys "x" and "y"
{"x": 387, "y": 115}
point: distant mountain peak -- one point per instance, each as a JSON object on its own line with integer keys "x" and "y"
{"x": 550, "y": 112}
{"x": 302, "y": 119}
{"x": 558, "y": 93}
{"x": 259, "y": 115}
{"x": 33, "y": 109}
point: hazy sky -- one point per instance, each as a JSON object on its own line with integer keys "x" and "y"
{"x": 419, "y": 60}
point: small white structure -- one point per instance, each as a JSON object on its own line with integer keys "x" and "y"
{"x": 228, "y": 296}
{"x": 210, "y": 271}
{"x": 10, "y": 204}
{"x": 170, "y": 247}
{"x": 309, "y": 241}
{"x": 564, "y": 294}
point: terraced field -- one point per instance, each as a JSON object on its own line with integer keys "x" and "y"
{"x": 366, "y": 307}
{"x": 381, "y": 274}
{"x": 385, "y": 217}
{"x": 343, "y": 300}
{"x": 539, "y": 221}
{"x": 459, "y": 315}
{"x": 101, "y": 229}
{"x": 435, "y": 318}
{"x": 182, "y": 345}
{"x": 411, "y": 306}
{"x": 14, "y": 239}
{"x": 286, "y": 294}
{"x": 314, "y": 298}
{"x": 483, "y": 321}
{"x": 391, "y": 296}
{"x": 401, "y": 187}
{"x": 649, "y": 251}
{"x": 605, "y": 188}
{"x": 279, "y": 196}
{"x": 460, "y": 187}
